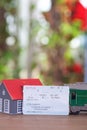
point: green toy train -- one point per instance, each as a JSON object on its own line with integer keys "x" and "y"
{"x": 78, "y": 98}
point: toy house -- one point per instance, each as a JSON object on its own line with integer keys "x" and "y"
{"x": 11, "y": 94}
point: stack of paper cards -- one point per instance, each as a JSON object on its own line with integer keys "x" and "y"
{"x": 46, "y": 100}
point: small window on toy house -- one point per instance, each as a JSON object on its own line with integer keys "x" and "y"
{"x": 0, "y": 104}
{"x": 6, "y": 105}
{"x": 19, "y": 106}
{"x": 3, "y": 92}
{"x": 73, "y": 95}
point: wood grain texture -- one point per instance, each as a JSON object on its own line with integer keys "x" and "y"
{"x": 22, "y": 122}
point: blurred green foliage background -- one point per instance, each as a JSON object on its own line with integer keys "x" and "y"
{"x": 47, "y": 55}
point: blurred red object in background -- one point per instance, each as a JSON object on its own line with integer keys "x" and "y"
{"x": 77, "y": 68}
{"x": 78, "y": 12}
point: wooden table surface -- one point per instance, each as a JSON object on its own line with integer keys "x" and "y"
{"x": 28, "y": 122}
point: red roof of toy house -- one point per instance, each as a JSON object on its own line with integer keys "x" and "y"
{"x": 15, "y": 86}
